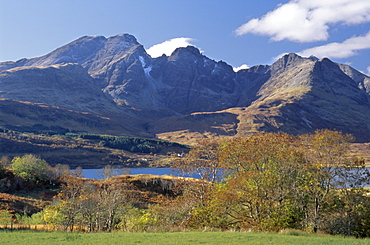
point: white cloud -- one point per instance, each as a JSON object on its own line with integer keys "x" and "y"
{"x": 169, "y": 46}
{"x": 368, "y": 70}
{"x": 244, "y": 66}
{"x": 307, "y": 20}
{"x": 339, "y": 50}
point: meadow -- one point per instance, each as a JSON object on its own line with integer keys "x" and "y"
{"x": 255, "y": 238}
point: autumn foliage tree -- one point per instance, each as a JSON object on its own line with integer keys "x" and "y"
{"x": 86, "y": 204}
{"x": 202, "y": 161}
{"x": 277, "y": 181}
{"x": 264, "y": 182}
{"x": 336, "y": 187}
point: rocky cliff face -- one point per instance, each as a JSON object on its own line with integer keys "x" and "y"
{"x": 115, "y": 76}
{"x": 188, "y": 82}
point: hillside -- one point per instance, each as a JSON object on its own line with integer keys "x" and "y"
{"x": 91, "y": 151}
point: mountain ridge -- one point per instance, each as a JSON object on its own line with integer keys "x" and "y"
{"x": 114, "y": 77}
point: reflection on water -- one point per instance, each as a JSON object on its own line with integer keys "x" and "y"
{"x": 97, "y": 173}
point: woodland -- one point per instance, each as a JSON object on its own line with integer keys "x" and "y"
{"x": 263, "y": 182}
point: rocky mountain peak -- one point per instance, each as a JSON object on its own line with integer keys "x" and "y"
{"x": 113, "y": 59}
{"x": 78, "y": 51}
{"x": 128, "y": 38}
{"x": 185, "y": 52}
{"x": 120, "y": 43}
{"x": 287, "y": 60}
{"x": 313, "y": 58}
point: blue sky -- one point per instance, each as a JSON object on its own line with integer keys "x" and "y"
{"x": 235, "y": 31}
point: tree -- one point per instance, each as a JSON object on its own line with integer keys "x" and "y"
{"x": 91, "y": 205}
{"x": 202, "y": 161}
{"x": 264, "y": 182}
{"x": 51, "y": 215}
{"x": 4, "y": 164}
{"x": 61, "y": 170}
{"x": 5, "y": 161}
{"x": 112, "y": 199}
{"x": 5, "y": 218}
{"x": 30, "y": 168}
{"x": 108, "y": 171}
{"x": 325, "y": 151}
{"x": 281, "y": 181}
{"x": 135, "y": 219}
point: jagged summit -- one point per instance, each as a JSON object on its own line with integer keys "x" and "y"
{"x": 79, "y": 51}
{"x": 187, "y": 95}
{"x": 286, "y": 61}
{"x": 183, "y": 50}
{"x": 313, "y": 58}
{"x": 127, "y": 38}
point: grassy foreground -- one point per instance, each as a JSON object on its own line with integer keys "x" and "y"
{"x": 31, "y": 237}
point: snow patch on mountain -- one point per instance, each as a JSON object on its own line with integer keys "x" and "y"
{"x": 142, "y": 60}
{"x": 146, "y": 68}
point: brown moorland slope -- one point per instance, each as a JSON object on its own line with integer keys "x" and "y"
{"x": 141, "y": 190}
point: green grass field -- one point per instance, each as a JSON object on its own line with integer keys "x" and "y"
{"x": 31, "y": 237}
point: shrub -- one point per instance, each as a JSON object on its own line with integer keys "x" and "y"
{"x": 30, "y": 168}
